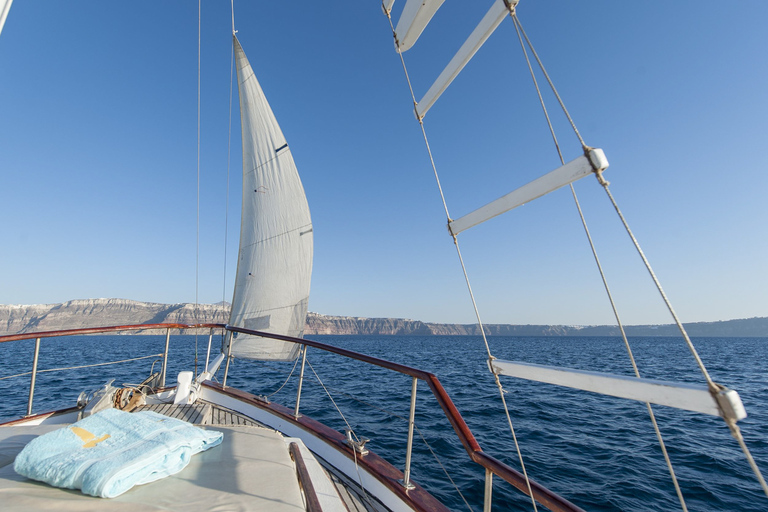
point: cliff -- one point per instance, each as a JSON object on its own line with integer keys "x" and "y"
{"x": 77, "y": 314}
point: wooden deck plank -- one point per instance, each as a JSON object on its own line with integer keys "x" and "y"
{"x": 202, "y": 413}
{"x": 205, "y": 415}
{"x": 351, "y": 500}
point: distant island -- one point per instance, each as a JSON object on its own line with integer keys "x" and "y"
{"x": 76, "y": 314}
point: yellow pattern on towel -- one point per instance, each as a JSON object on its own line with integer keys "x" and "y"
{"x": 88, "y": 438}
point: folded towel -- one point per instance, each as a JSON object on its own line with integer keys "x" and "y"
{"x": 109, "y": 452}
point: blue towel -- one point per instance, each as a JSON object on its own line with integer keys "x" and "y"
{"x": 109, "y": 452}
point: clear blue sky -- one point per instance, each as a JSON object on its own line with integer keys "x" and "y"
{"x": 98, "y": 155}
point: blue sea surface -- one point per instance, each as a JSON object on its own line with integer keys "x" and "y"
{"x": 599, "y": 452}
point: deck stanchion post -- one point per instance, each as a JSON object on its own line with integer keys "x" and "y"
{"x": 34, "y": 377}
{"x": 301, "y": 381}
{"x": 208, "y": 354}
{"x": 165, "y": 357}
{"x": 229, "y": 357}
{"x": 407, "y": 473}
{"x": 488, "y": 490}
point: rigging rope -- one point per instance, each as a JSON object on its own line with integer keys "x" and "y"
{"x": 229, "y": 164}
{"x": 714, "y": 388}
{"x": 232, "y": 5}
{"x": 386, "y": 411}
{"x": 350, "y": 429}
{"x": 83, "y": 366}
{"x": 519, "y": 29}
{"x": 421, "y": 434}
{"x": 461, "y": 261}
{"x": 549, "y": 80}
{"x": 295, "y": 362}
{"x": 197, "y": 244}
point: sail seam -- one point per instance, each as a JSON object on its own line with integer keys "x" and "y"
{"x": 246, "y": 78}
{"x": 278, "y": 154}
{"x": 289, "y": 306}
{"x": 277, "y": 236}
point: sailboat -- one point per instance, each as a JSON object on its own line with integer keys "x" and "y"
{"x": 272, "y": 456}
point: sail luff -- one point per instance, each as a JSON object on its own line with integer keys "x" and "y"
{"x": 275, "y": 256}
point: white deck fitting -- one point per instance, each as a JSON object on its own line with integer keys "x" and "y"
{"x": 690, "y": 397}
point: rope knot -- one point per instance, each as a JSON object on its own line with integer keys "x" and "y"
{"x": 490, "y": 361}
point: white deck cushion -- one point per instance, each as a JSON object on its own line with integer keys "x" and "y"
{"x": 250, "y": 470}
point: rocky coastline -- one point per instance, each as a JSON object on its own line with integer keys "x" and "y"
{"x": 82, "y": 313}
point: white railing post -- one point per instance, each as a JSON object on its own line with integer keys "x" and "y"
{"x": 34, "y": 377}
{"x": 208, "y": 354}
{"x": 301, "y": 381}
{"x": 165, "y": 357}
{"x": 488, "y": 490}
{"x": 407, "y": 473}
{"x": 229, "y": 357}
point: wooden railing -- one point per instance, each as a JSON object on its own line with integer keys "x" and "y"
{"x": 492, "y": 465}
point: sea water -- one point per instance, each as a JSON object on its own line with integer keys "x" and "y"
{"x": 599, "y": 452}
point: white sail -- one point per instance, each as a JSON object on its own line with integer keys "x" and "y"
{"x": 275, "y": 258}
{"x": 5, "y": 6}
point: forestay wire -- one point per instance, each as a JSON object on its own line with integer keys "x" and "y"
{"x": 520, "y": 31}
{"x": 714, "y": 388}
{"x": 229, "y": 160}
{"x": 502, "y": 392}
{"x": 197, "y": 240}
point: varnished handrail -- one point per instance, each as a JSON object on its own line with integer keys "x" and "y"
{"x": 475, "y": 452}
{"x": 313, "y": 504}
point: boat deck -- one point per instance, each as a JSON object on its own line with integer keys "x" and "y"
{"x": 201, "y": 414}
{"x": 251, "y": 470}
{"x": 205, "y": 413}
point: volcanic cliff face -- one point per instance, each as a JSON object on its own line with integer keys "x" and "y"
{"x": 78, "y": 314}
{"x": 324, "y": 324}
